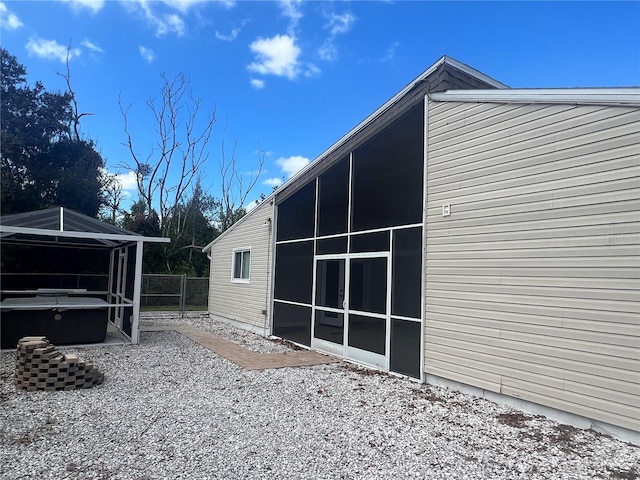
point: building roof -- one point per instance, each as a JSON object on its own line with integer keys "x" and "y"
{"x": 65, "y": 226}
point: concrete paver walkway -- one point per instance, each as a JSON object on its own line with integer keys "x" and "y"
{"x": 241, "y": 356}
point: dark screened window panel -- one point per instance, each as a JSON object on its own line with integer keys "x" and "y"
{"x": 292, "y": 322}
{"x": 405, "y": 347}
{"x": 325, "y": 246}
{"x": 329, "y": 326}
{"x": 388, "y": 175}
{"x": 296, "y": 215}
{"x": 406, "y": 275}
{"x": 367, "y": 333}
{"x": 294, "y": 272}
{"x": 368, "y": 285}
{"x": 370, "y": 242}
{"x": 330, "y": 279}
{"x": 333, "y": 199}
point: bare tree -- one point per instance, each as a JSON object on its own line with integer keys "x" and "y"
{"x": 74, "y": 128}
{"x": 167, "y": 174}
{"x": 236, "y": 187}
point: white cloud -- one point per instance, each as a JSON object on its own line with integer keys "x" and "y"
{"x": 183, "y": 5}
{"x": 292, "y": 165}
{"x": 128, "y": 181}
{"x": 291, "y": 10}
{"x": 162, "y": 23}
{"x": 311, "y": 71}
{"x": 272, "y": 182}
{"x": 340, "y": 24}
{"x": 50, "y": 50}
{"x": 91, "y": 46}
{"x": 226, "y": 3}
{"x": 280, "y": 54}
{"x": 337, "y": 25}
{"x": 257, "y": 83}
{"x": 228, "y": 38}
{"x": 8, "y": 19}
{"x": 94, "y": 6}
{"x": 328, "y": 50}
{"x": 276, "y": 56}
{"x": 170, "y": 23}
{"x": 390, "y": 53}
{"x": 146, "y": 53}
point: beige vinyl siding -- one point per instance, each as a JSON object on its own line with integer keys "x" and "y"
{"x": 533, "y": 281}
{"x": 243, "y": 302}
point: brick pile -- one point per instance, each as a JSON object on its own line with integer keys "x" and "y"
{"x": 40, "y": 366}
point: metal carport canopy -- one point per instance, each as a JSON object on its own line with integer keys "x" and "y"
{"x": 50, "y": 225}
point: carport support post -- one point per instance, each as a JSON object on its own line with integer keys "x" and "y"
{"x": 183, "y": 294}
{"x": 137, "y": 288}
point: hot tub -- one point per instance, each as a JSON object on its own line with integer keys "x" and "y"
{"x": 63, "y": 320}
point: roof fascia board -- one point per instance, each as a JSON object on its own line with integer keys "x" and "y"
{"x": 591, "y": 96}
{"x": 70, "y": 234}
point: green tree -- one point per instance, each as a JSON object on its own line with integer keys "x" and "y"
{"x": 42, "y": 162}
{"x": 146, "y": 223}
{"x": 113, "y": 197}
{"x": 191, "y": 229}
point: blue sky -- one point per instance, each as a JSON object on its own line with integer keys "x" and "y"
{"x": 292, "y": 77}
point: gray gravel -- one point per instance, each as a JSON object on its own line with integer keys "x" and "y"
{"x": 170, "y": 409}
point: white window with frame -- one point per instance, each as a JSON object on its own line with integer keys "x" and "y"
{"x": 241, "y": 267}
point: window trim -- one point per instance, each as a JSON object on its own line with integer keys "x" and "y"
{"x": 235, "y": 279}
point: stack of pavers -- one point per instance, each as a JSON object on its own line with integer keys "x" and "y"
{"x": 40, "y": 366}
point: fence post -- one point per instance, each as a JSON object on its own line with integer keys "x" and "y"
{"x": 183, "y": 294}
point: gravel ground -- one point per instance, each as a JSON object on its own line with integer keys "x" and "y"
{"x": 170, "y": 409}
